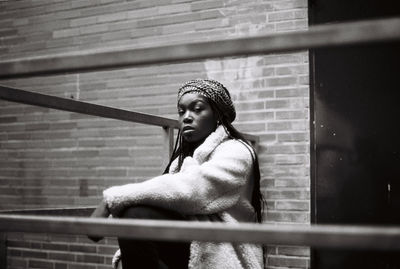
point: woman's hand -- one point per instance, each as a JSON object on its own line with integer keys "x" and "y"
{"x": 101, "y": 211}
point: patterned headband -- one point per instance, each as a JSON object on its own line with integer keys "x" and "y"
{"x": 214, "y": 91}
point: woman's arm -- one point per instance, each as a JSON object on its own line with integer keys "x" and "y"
{"x": 101, "y": 211}
{"x": 204, "y": 188}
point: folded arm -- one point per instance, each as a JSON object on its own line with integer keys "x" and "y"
{"x": 204, "y": 188}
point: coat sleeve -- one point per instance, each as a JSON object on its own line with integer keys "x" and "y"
{"x": 206, "y": 188}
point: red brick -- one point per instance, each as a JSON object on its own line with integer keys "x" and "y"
{"x": 291, "y": 159}
{"x": 90, "y": 258}
{"x": 81, "y": 266}
{"x": 301, "y": 24}
{"x": 14, "y": 262}
{"x": 81, "y": 3}
{"x": 207, "y": 5}
{"x": 107, "y": 266}
{"x": 287, "y": 126}
{"x": 211, "y": 24}
{"x": 177, "y": 28}
{"x": 110, "y": 250}
{"x": 40, "y": 264}
{"x": 17, "y": 244}
{"x": 296, "y": 92}
{"x": 250, "y": 127}
{"x": 293, "y": 137}
{"x": 34, "y": 237}
{"x": 65, "y": 33}
{"x": 296, "y": 114}
{"x": 54, "y": 246}
{"x": 289, "y": 216}
{"x": 167, "y": 20}
{"x": 37, "y": 126}
{"x": 291, "y": 69}
{"x": 255, "y": 116}
{"x": 304, "y": 80}
{"x": 288, "y": 194}
{"x": 293, "y": 251}
{"x": 281, "y": 16}
{"x": 7, "y": 120}
{"x": 115, "y": 35}
{"x": 177, "y": 8}
{"x": 210, "y": 14}
{"x": 142, "y": 12}
{"x": 293, "y": 205}
{"x": 62, "y": 256}
{"x": 111, "y": 17}
{"x": 277, "y": 104}
{"x": 283, "y": 59}
{"x": 60, "y": 265}
{"x": 249, "y": 106}
{"x": 291, "y": 171}
{"x": 285, "y": 261}
{"x": 292, "y": 182}
{"x": 90, "y": 29}
{"x": 63, "y": 125}
{"x": 285, "y": 26}
{"x": 281, "y": 81}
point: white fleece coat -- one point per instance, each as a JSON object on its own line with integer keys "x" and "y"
{"x": 214, "y": 185}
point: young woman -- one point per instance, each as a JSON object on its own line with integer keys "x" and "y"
{"x": 213, "y": 175}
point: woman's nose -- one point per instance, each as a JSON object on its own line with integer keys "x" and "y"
{"x": 187, "y": 117}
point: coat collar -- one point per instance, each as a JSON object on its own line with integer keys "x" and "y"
{"x": 212, "y": 141}
{"x": 202, "y": 153}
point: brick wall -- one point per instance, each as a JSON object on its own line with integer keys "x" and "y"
{"x": 51, "y": 158}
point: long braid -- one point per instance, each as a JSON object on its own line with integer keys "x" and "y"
{"x": 181, "y": 151}
{"x": 175, "y": 152}
{"x": 257, "y": 199}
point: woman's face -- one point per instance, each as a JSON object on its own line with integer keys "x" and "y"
{"x": 196, "y": 118}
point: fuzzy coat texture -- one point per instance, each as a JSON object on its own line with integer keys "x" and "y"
{"x": 214, "y": 185}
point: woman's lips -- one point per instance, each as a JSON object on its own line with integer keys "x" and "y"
{"x": 187, "y": 130}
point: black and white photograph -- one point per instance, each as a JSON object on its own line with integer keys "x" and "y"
{"x": 199, "y": 134}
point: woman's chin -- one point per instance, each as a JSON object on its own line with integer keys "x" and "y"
{"x": 189, "y": 138}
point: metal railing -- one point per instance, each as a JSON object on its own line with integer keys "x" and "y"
{"x": 43, "y": 100}
{"x": 334, "y": 35}
{"x": 333, "y": 236}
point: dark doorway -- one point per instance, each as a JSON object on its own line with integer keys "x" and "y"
{"x": 355, "y": 107}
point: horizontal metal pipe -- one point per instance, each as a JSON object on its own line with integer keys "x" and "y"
{"x": 327, "y": 236}
{"x": 66, "y": 211}
{"x": 43, "y": 100}
{"x": 332, "y": 35}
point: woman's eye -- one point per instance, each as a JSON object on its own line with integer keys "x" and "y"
{"x": 197, "y": 109}
{"x": 181, "y": 112}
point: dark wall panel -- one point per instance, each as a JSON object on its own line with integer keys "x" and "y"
{"x": 356, "y": 110}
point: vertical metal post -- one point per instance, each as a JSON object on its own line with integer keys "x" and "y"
{"x": 3, "y": 250}
{"x": 168, "y": 144}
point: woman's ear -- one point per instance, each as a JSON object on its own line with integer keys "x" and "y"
{"x": 219, "y": 120}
